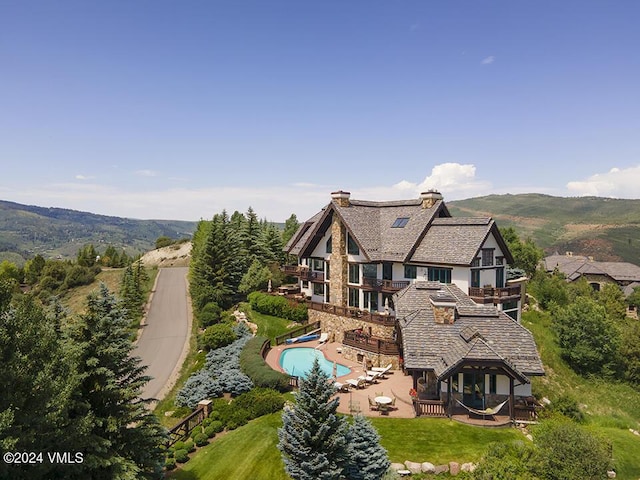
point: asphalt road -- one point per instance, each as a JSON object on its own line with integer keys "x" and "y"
{"x": 165, "y": 334}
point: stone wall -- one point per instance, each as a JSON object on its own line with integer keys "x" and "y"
{"x": 338, "y": 263}
{"x": 334, "y": 325}
{"x": 373, "y": 359}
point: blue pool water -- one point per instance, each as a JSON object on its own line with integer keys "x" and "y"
{"x": 299, "y": 360}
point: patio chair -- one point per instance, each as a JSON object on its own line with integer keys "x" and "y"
{"x": 382, "y": 370}
{"x": 323, "y": 337}
{"x": 342, "y": 387}
{"x": 356, "y": 382}
{"x": 373, "y": 405}
{"x": 367, "y": 379}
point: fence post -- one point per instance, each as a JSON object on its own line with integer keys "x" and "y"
{"x": 206, "y": 407}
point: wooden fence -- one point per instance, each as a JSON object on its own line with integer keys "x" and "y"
{"x": 430, "y": 408}
{"x": 183, "y": 429}
{"x": 296, "y": 332}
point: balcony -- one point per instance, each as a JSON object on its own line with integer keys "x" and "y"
{"x": 370, "y": 317}
{"x": 370, "y": 343}
{"x": 303, "y": 273}
{"x": 385, "y": 286}
{"x": 494, "y": 295}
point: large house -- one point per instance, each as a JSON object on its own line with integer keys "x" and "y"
{"x": 357, "y": 253}
{"x": 403, "y": 282}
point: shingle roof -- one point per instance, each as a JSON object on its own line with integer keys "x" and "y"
{"x": 478, "y": 333}
{"x": 295, "y": 243}
{"x": 574, "y": 266}
{"x": 453, "y": 240}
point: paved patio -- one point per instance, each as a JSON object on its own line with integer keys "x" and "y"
{"x": 395, "y": 385}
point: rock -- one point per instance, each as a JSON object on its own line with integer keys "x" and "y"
{"x": 529, "y": 437}
{"x": 454, "y": 468}
{"x": 397, "y": 466}
{"x": 441, "y": 469}
{"x": 468, "y": 467}
{"x": 413, "y": 467}
{"x": 611, "y": 474}
{"x": 428, "y": 467}
{"x": 546, "y": 401}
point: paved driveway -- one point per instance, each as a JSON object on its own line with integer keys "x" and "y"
{"x": 165, "y": 335}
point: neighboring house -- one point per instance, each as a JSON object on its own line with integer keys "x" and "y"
{"x": 456, "y": 349}
{"x": 596, "y": 273}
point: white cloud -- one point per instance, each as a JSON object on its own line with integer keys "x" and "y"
{"x": 617, "y": 183}
{"x": 489, "y": 60}
{"x": 146, "y": 173}
{"x": 84, "y": 177}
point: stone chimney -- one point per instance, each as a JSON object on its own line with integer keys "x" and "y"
{"x": 429, "y": 198}
{"x": 341, "y": 198}
{"x": 444, "y": 308}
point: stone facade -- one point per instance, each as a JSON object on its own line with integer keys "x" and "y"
{"x": 335, "y": 325}
{"x": 338, "y": 263}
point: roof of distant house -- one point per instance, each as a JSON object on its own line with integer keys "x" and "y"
{"x": 479, "y": 333}
{"x": 575, "y": 266}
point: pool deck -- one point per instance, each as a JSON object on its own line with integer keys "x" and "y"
{"x": 395, "y": 385}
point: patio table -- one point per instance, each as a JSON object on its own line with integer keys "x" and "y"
{"x": 383, "y": 400}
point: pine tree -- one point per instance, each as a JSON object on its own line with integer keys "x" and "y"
{"x": 313, "y": 438}
{"x": 125, "y": 440}
{"x": 367, "y": 459}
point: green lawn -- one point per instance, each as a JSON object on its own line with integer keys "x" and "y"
{"x": 268, "y": 326}
{"x": 251, "y": 452}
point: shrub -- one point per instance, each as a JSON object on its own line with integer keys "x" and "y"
{"x": 170, "y": 463}
{"x": 189, "y": 446}
{"x": 259, "y": 402}
{"x": 216, "y": 426}
{"x": 201, "y": 439}
{"x": 277, "y": 307}
{"x": 179, "y": 445}
{"x": 210, "y": 314}
{"x": 210, "y": 432}
{"x": 568, "y": 406}
{"x": 182, "y": 456}
{"x": 261, "y": 374}
{"x": 217, "y": 336}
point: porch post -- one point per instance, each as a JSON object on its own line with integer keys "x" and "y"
{"x": 511, "y": 403}
{"x": 449, "y": 397}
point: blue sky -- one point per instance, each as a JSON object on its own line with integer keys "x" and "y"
{"x": 176, "y": 110}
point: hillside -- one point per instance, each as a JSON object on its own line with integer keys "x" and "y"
{"x": 605, "y": 228}
{"x": 28, "y": 230}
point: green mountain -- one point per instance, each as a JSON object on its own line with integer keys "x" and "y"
{"x": 605, "y": 228}
{"x": 59, "y": 233}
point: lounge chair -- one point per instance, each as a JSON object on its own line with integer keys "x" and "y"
{"x": 341, "y": 387}
{"x": 323, "y": 337}
{"x": 368, "y": 379}
{"x": 356, "y": 382}
{"x": 382, "y": 370}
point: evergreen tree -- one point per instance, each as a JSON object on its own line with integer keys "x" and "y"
{"x": 125, "y": 440}
{"x": 367, "y": 459}
{"x": 87, "y": 256}
{"x": 271, "y": 241}
{"x": 291, "y": 226}
{"x": 313, "y": 437}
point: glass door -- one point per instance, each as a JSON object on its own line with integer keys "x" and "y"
{"x": 473, "y": 393}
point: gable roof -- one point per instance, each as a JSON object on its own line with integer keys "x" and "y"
{"x": 479, "y": 333}
{"x": 425, "y": 235}
{"x": 574, "y": 266}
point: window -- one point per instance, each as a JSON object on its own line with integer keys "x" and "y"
{"x": 328, "y": 246}
{"x": 410, "y": 271}
{"x": 387, "y": 271}
{"x": 499, "y": 260}
{"x": 370, "y": 270}
{"x": 354, "y": 297}
{"x": 476, "y": 262}
{"x": 442, "y": 275}
{"x": 352, "y": 246}
{"x": 475, "y": 278}
{"x": 493, "y": 383}
{"x": 327, "y": 273}
{"x": 371, "y": 301}
{"x": 317, "y": 265}
{"x": 318, "y": 288}
{"x": 354, "y": 273}
{"x": 400, "y": 222}
{"x": 387, "y": 301}
{"x": 305, "y": 284}
{"x": 500, "y": 278}
{"x": 487, "y": 257}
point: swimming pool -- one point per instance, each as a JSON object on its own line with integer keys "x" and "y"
{"x": 299, "y": 360}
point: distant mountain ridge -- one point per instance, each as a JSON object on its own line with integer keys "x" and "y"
{"x": 26, "y": 230}
{"x": 605, "y": 228}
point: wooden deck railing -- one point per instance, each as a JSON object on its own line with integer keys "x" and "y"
{"x": 493, "y": 294}
{"x": 377, "y": 318}
{"x": 370, "y": 343}
{"x": 303, "y": 272}
{"x": 380, "y": 285}
{"x": 429, "y": 408}
{"x": 186, "y": 426}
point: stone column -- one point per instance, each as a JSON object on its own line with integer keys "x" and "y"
{"x": 338, "y": 263}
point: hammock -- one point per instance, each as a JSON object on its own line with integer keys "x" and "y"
{"x": 486, "y": 411}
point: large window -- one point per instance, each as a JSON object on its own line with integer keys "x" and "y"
{"x": 317, "y": 265}
{"x": 371, "y": 301}
{"x": 318, "y": 288}
{"x": 352, "y": 246}
{"x": 387, "y": 301}
{"x": 354, "y": 273}
{"x": 387, "y": 271}
{"x": 499, "y": 277}
{"x": 442, "y": 275}
{"x": 487, "y": 257}
{"x": 493, "y": 383}
{"x": 475, "y": 278}
{"x": 410, "y": 271}
{"x": 354, "y": 297}
{"x": 370, "y": 270}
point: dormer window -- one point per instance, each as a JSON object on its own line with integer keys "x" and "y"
{"x": 400, "y": 222}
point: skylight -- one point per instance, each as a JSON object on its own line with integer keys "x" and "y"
{"x": 400, "y": 222}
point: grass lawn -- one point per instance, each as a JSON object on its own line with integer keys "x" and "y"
{"x": 268, "y": 326}
{"x": 251, "y": 452}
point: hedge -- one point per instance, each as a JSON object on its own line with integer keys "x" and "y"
{"x": 277, "y": 307}
{"x": 253, "y": 365}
